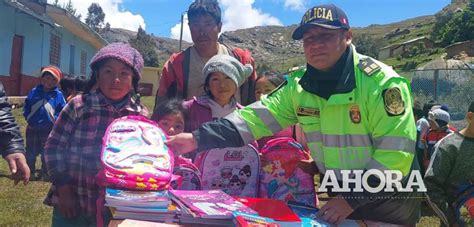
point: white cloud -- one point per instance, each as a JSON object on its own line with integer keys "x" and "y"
{"x": 241, "y": 14}
{"x": 236, "y": 15}
{"x": 116, "y": 16}
{"x": 295, "y": 4}
{"x": 176, "y": 30}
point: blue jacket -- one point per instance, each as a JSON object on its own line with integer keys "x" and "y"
{"x": 48, "y": 105}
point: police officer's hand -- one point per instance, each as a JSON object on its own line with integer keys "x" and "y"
{"x": 18, "y": 167}
{"x": 182, "y": 143}
{"x": 335, "y": 211}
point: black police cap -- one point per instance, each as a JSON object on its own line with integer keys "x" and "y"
{"x": 326, "y": 16}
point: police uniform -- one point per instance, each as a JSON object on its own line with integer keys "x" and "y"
{"x": 366, "y": 123}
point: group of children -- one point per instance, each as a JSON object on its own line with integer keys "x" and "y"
{"x": 71, "y": 151}
{"x": 76, "y": 127}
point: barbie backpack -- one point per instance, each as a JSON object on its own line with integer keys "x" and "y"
{"x": 233, "y": 170}
{"x": 134, "y": 155}
{"x": 280, "y": 177}
{"x": 188, "y": 173}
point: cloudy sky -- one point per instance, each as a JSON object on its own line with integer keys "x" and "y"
{"x": 162, "y": 17}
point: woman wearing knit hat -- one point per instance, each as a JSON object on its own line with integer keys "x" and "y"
{"x": 42, "y": 107}
{"x": 72, "y": 151}
{"x": 224, "y": 74}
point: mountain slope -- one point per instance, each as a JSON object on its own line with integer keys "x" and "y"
{"x": 273, "y": 48}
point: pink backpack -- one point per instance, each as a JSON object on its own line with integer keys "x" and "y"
{"x": 280, "y": 177}
{"x": 233, "y": 170}
{"x": 189, "y": 175}
{"x": 134, "y": 155}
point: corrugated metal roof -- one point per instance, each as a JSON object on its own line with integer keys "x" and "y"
{"x": 20, "y": 7}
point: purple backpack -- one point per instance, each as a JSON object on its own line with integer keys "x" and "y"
{"x": 190, "y": 177}
{"x": 233, "y": 170}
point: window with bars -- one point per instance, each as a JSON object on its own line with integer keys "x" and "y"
{"x": 55, "y": 50}
{"x": 83, "y": 62}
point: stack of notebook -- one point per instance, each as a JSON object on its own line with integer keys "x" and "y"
{"x": 141, "y": 205}
{"x": 207, "y": 207}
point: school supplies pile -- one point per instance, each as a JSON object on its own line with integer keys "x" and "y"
{"x": 252, "y": 220}
{"x": 207, "y": 207}
{"x": 137, "y": 171}
{"x": 275, "y": 210}
{"x": 141, "y": 205}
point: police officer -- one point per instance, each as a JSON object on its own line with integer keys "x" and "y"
{"x": 356, "y": 113}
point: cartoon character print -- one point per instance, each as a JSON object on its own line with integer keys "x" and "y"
{"x": 216, "y": 183}
{"x": 280, "y": 176}
{"x": 226, "y": 175}
{"x": 136, "y": 152}
{"x": 244, "y": 175}
{"x": 235, "y": 186}
{"x": 189, "y": 180}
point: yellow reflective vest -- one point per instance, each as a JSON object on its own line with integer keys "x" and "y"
{"x": 370, "y": 127}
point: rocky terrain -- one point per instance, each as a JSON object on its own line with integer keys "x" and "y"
{"x": 272, "y": 46}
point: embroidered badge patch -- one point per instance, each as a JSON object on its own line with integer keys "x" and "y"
{"x": 393, "y": 102}
{"x": 307, "y": 111}
{"x": 354, "y": 113}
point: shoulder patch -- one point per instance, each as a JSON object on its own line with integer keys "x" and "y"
{"x": 369, "y": 66}
{"x": 393, "y": 102}
{"x": 278, "y": 88}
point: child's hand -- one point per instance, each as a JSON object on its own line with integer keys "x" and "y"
{"x": 67, "y": 201}
{"x": 308, "y": 166}
{"x": 182, "y": 143}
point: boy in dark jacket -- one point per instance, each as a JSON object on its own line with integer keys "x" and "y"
{"x": 42, "y": 107}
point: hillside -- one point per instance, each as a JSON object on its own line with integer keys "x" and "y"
{"x": 164, "y": 46}
{"x": 272, "y": 46}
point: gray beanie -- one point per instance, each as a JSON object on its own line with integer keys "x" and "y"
{"x": 439, "y": 114}
{"x": 229, "y": 66}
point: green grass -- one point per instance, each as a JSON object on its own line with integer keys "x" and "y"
{"x": 418, "y": 60}
{"x": 23, "y": 205}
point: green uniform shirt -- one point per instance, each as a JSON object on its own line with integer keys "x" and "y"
{"x": 370, "y": 127}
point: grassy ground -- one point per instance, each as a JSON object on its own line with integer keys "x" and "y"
{"x": 23, "y": 205}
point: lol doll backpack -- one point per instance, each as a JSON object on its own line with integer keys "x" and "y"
{"x": 280, "y": 177}
{"x": 233, "y": 170}
{"x": 189, "y": 175}
{"x": 134, "y": 155}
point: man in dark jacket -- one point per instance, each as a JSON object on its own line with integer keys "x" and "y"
{"x": 11, "y": 142}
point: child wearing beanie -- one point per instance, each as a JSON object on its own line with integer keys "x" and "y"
{"x": 72, "y": 151}
{"x": 438, "y": 120}
{"x": 42, "y": 107}
{"x": 224, "y": 74}
{"x": 449, "y": 178}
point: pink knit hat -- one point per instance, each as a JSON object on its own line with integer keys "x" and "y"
{"x": 122, "y": 52}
